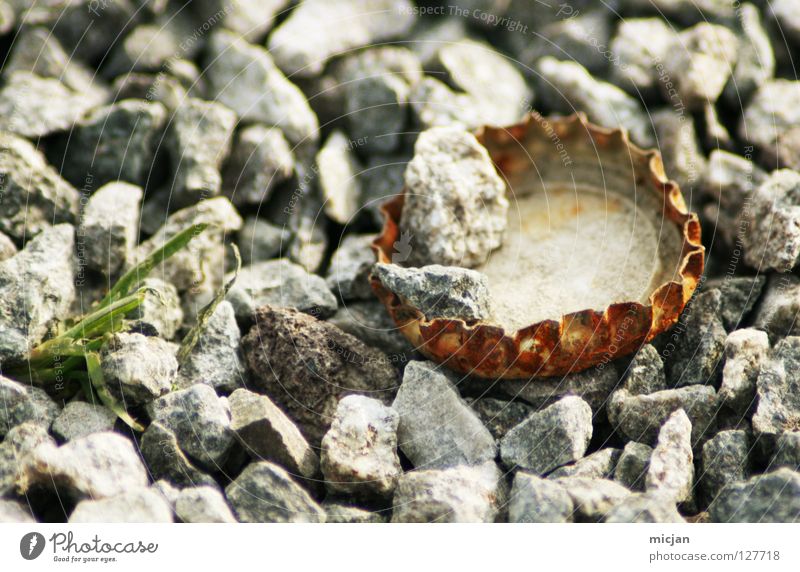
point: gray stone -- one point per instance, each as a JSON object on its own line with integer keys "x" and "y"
{"x": 338, "y": 178}
{"x": 138, "y": 368}
{"x": 160, "y": 310}
{"x": 199, "y": 139}
{"x": 744, "y": 351}
{"x": 34, "y": 194}
{"x": 777, "y": 313}
{"x": 739, "y": 296}
{"x": 266, "y": 493}
{"x": 756, "y": 62}
{"x": 343, "y": 514}
{"x": 114, "y": 142}
{"x": 304, "y": 42}
{"x": 549, "y": 438}
{"x": 268, "y": 434}
{"x": 359, "y": 452}
{"x": 203, "y": 504}
{"x": 381, "y": 179}
{"x": 645, "y": 508}
{"x": 787, "y": 451}
{"x": 200, "y": 423}
{"x": 306, "y": 366}
{"x": 167, "y": 491}
{"x": 161, "y": 88}
{"x": 16, "y": 445}
{"x": 79, "y": 419}
{"x": 215, "y": 360}
{"x": 534, "y": 499}
{"x": 639, "y": 417}
{"x": 348, "y": 274}
{"x": 439, "y": 291}
{"x": 437, "y": 428}
{"x": 592, "y": 498}
{"x": 458, "y": 494}
{"x": 34, "y": 106}
{"x": 773, "y": 497}
{"x": 640, "y": 46}
{"x": 96, "y": 466}
{"x": 165, "y": 459}
{"x": 499, "y": 416}
{"x": 260, "y": 160}
{"x": 109, "y": 227}
{"x": 671, "y": 470}
{"x": 697, "y": 342}
{"x": 772, "y": 240}
{"x": 680, "y": 149}
{"x": 377, "y": 111}
{"x": 137, "y": 505}
{"x": 785, "y": 13}
{"x": 260, "y": 240}
{"x": 372, "y": 324}
{"x": 598, "y": 465}
{"x": 7, "y": 247}
{"x": 702, "y": 59}
{"x": 283, "y": 284}
{"x": 434, "y": 104}
{"x": 646, "y": 372}
{"x": 684, "y": 11}
{"x": 24, "y": 403}
{"x": 250, "y": 18}
{"x": 148, "y": 47}
{"x": 770, "y": 122}
{"x": 633, "y": 465}
{"x": 777, "y": 391}
{"x": 455, "y": 208}
{"x": 244, "y": 77}
{"x": 725, "y": 460}
{"x": 12, "y": 511}
{"x": 566, "y": 86}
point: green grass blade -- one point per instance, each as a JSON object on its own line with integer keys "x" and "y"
{"x": 95, "y": 372}
{"x": 141, "y": 270}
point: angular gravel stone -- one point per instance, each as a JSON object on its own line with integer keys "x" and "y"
{"x": 671, "y": 470}
{"x": 773, "y": 497}
{"x": 23, "y": 403}
{"x": 260, "y": 240}
{"x": 439, "y": 291}
{"x": 245, "y": 78}
{"x": 338, "y": 178}
{"x": 16, "y": 445}
{"x": 777, "y": 313}
{"x": 644, "y": 508}
{"x": 739, "y": 296}
{"x": 437, "y": 428}
{"x": 306, "y": 366}
{"x": 348, "y": 275}
{"x": 199, "y": 140}
{"x": 756, "y": 62}
{"x": 377, "y": 111}
{"x": 381, "y": 179}
{"x": 203, "y": 504}
{"x": 165, "y": 460}
{"x": 109, "y": 227}
{"x": 697, "y": 343}
{"x": 646, "y": 372}
{"x": 370, "y": 323}
{"x": 772, "y": 240}
{"x": 97, "y": 466}
{"x": 138, "y": 368}
{"x": 787, "y": 451}
{"x": 778, "y": 408}
{"x": 770, "y": 123}
{"x": 632, "y": 466}
{"x": 138, "y": 505}
{"x": 534, "y": 499}
{"x": 725, "y": 460}
{"x": 592, "y": 498}
{"x": 283, "y": 284}
{"x": 457, "y": 494}
{"x": 115, "y": 142}
{"x": 598, "y": 465}
{"x": 500, "y": 416}
{"x": 34, "y": 106}
{"x": 639, "y": 417}
{"x": 641, "y": 45}
{"x": 266, "y": 493}
{"x": 702, "y": 60}
{"x": 268, "y": 434}
{"x": 200, "y": 423}
{"x": 434, "y": 104}
{"x": 161, "y": 310}
{"x": 34, "y": 194}
{"x": 549, "y": 438}
{"x": 680, "y": 149}
{"x": 566, "y": 86}
{"x": 79, "y": 419}
{"x": 744, "y": 352}
{"x": 455, "y": 208}
{"x": 320, "y": 29}
{"x": 260, "y": 160}
{"x": 582, "y": 37}
{"x": 12, "y": 511}
{"x": 343, "y": 514}
{"x": 359, "y": 452}
{"x": 7, "y": 247}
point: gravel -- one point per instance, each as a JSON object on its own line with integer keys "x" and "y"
{"x": 779, "y": 306}
{"x": 348, "y": 275}
{"x": 261, "y": 159}
{"x": 534, "y": 499}
{"x": 773, "y": 497}
{"x": 138, "y": 369}
{"x": 778, "y": 408}
{"x": 632, "y": 466}
{"x": 165, "y": 459}
{"x": 725, "y": 460}
{"x": 770, "y": 122}
{"x": 598, "y": 465}
{"x": 745, "y": 351}
{"x": 137, "y": 505}
{"x": 338, "y": 177}
{"x": 79, "y": 419}
{"x": 671, "y": 468}
{"x": 641, "y": 44}
{"x": 644, "y": 508}
{"x": 592, "y": 499}
{"x": 203, "y": 504}
{"x": 24, "y": 403}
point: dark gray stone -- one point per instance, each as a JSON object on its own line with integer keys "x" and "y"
{"x": 165, "y": 459}
{"x": 773, "y": 497}
{"x": 725, "y": 460}
{"x": 778, "y": 394}
{"x": 203, "y": 504}
{"x": 348, "y": 274}
{"x": 24, "y": 403}
{"x": 772, "y": 240}
{"x": 260, "y": 240}
{"x": 16, "y": 445}
{"x": 260, "y": 160}
{"x": 372, "y": 324}
{"x": 632, "y": 465}
{"x": 646, "y": 372}
{"x": 739, "y": 296}
{"x": 499, "y": 416}
{"x": 137, "y": 368}
{"x": 787, "y": 451}
{"x": 780, "y": 305}
{"x": 79, "y": 419}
